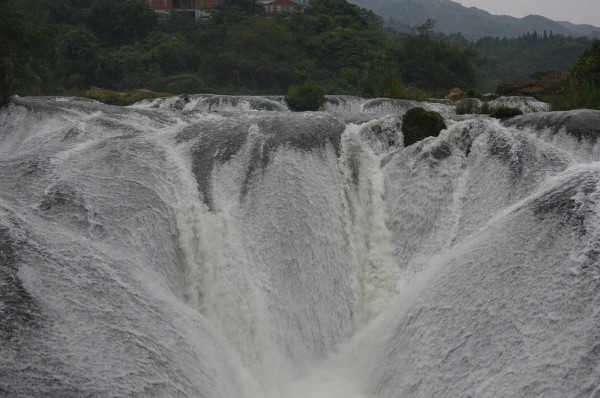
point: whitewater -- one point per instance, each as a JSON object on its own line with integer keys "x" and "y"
{"x": 224, "y": 246}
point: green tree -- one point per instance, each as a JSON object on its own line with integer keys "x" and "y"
{"x": 29, "y": 46}
{"x": 360, "y": 18}
{"x": 171, "y": 51}
{"x": 82, "y": 61}
{"x": 257, "y": 54}
{"x": 507, "y": 59}
{"x": 587, "y": 67}
{"x": 234, "y": 11}
{"x": 381, "y": 79}
{"x": 135, "y": 68}
{"x": 433, "y": 64}
{"x": 426, "y": 28}
{"x": 120, "y": 21}
{"x": 249, "y": 7}
{"x": 340, "y": 55}
{"x": 65, "y": 12}
{"x": 581, "y": 87}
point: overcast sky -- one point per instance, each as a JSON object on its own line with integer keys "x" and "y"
{"x": 575, "y": 11}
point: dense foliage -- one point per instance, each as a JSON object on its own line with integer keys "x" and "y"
{"x": 380, "y": 79}
{"x": 66, "y": 46}
{"x": 436, "y": 64}
{"x": 62, "y": 46}
{"x": 28, "y": 45}
{"x": 520, "y": 57}
{"x": 581, "y": 86}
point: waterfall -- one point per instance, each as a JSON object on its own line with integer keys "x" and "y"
{"x": 222, "y": 246}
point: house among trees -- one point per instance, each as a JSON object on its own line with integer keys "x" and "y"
{"x": 280, "y": 6}
{"x": 164, "y": 7}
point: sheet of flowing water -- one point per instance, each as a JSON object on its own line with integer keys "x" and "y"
{"x": 222, "y": 246}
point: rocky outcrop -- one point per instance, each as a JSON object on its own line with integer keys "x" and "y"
{"x": 122, "y": 98}
{"x": 455, "y": 94}
{"x": 545, "y": 83}
{"x": 6, "y": 75}
{"x": 418, "y": 124}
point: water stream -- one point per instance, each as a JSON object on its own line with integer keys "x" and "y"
{"x": 216, "y": 246}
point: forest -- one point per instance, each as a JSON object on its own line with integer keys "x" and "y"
{"x": 62, "y": 47}
{"x": 521, "y": 57}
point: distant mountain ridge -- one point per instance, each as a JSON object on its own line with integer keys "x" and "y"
{"x": 472, "y": 22}
{"x": 582, "y": 29}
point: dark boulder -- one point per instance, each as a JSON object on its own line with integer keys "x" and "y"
{"x": 418, "y": 124}
{"x": 6, "y": 75}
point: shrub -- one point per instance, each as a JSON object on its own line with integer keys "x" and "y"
{"x": 308, "y": 97}
{"x": 380, "y": 79}
{"x": 414, "y": 94}
{"x": 485, "y": 108}
{"x": 578, "y": 95}
{"x": 472, "y": 93}
{"x": 467, "y": 106}
{"x": 503, "y": 112}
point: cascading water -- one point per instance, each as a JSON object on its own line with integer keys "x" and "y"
{"x": 214, "y": 246}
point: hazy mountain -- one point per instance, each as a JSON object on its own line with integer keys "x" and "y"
{"x": 473, "y": 23}
{"x": 582, "y": 30}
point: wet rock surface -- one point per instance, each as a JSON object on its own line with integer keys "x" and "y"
{"x": 581, "y": 123}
